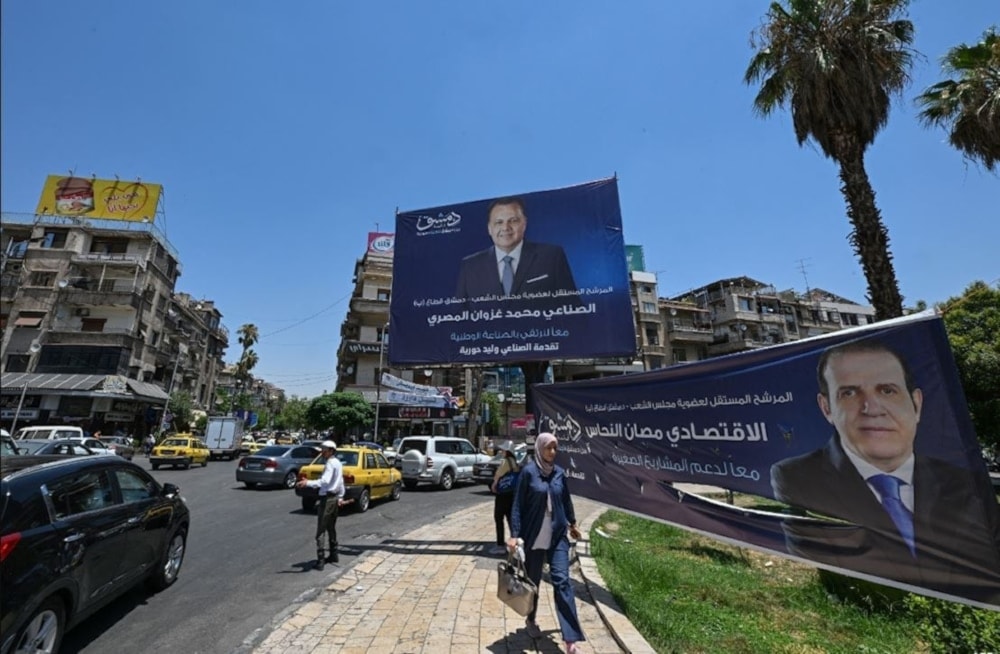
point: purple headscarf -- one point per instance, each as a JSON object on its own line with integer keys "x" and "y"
{"x": 544, "y": 439}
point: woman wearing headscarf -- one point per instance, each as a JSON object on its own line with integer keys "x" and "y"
{"x": 544, "y": 519}
{"x": 503, "y": 502}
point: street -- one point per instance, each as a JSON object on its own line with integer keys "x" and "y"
{"x": 249, "y": 556}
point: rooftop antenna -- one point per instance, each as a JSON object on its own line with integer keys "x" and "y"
{"x": 802, "y": 269}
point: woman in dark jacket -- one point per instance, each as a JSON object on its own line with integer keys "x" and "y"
{"x": 503, "y": 502}
{"x": 544, "y": 519}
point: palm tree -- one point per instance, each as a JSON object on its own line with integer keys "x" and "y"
{"x": 836, "y": 64}
{"x": 249, "y": 335}
{"x": 970, "y": 106}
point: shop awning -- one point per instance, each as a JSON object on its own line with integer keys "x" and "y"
{"x": 85, "y": 385}
{"x": 27, "y": 321}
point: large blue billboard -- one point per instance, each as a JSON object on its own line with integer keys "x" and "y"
{"x": 532, "y": 277}
{"x": 863, "y": 436}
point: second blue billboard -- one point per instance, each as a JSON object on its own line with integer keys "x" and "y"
{"x": 531, "y": 277}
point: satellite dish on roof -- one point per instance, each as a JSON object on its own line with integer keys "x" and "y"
{"x": 35, "y": 347}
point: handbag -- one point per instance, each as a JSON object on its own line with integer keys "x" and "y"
{"x": 513, "y": 586}
{"x": 508, "y": 482}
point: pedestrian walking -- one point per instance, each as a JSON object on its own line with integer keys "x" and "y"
{"x": 542, "y": 520}
{"x": 503, "y": 501}
{"x": 331, "y": 494}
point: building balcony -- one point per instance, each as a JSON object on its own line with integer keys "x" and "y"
{"x": 730, "y": 346}
{"x": 114, "y": 297}
{"x": 118, "y": 260}
{"x": 654, "y": 350}
{"x": 68, "y": 333}
{"x": 689, "y": 332}
{"x": 369, "y": 305}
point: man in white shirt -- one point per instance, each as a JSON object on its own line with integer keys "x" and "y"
{"x": 331, "y": 494}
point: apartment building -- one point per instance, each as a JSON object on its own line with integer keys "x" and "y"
{"x": 92, "y": 329}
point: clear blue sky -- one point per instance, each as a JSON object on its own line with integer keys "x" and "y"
{"x": 284, "y": 132}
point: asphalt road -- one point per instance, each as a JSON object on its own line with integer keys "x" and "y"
{"x": 249, "y": 556}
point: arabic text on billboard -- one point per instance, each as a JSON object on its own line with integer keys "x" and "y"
{"x": 529, "y": 278}
{"x": 99, "y": 198}
{"x": 863, "y": 434}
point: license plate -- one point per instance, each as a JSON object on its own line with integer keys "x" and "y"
{"x": 253, "y": 466}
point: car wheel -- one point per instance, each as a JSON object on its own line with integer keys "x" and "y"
{"x": 308, "y": 504}
{"x": 156, "y": 466}
{"x": 44, "y": 629}
{"x": 410, "y": 485}
{"x": 187, "y": 464}
{"x": 447, "y": 480}
{"x": 397, "y": 490}
{"x": 250, "y": 484}
{"x": 364, "y": 500}
{"x": 204, "y": 464}
{"x": 170, "y": 564}
{"x": 291, "y": 478}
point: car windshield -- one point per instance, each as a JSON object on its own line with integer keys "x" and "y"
{"x": 272, "y": 450}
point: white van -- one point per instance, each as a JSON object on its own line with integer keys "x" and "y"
{"x": 48, "y": 432}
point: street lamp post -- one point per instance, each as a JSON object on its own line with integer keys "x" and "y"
{"x": 170, "y": 391}
{"x": 378, "y": 373}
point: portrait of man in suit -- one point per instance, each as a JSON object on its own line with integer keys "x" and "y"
{"x": 513, "y": 266}
{"x": 897, "y": 514}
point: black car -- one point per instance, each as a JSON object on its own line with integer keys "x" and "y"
{"x": 76, "y": 532}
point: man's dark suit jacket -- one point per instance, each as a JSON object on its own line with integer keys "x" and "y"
{"x": 956, "y": 525}
{"x": 542, "y": 268}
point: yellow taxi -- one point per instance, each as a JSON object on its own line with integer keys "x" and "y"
{"x": 181, "y": 450}
{"x": 367, "y": 476}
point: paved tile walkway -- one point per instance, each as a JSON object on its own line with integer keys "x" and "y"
{"x": 434, "y": 591}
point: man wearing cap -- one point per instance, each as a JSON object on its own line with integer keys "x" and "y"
{"x": 331, "y": 494}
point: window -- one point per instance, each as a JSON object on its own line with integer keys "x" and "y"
{"x": 370, "y": 463}
{"x": 92, "y": 324}
{"x": 652, "y": 336}
{"x": 382, "y": 295}
{"x": 134, "y": 488}
{"x": 655, "y": 362}
{"x": 54, "y": 238}
{"x": 465, "y": 447}
{"x": 42, "y": 278}
{"x": 87, "y": 491}
{"x": 680, "y": 355}
{"x": 646, "y": 289}
{"x": 649, "y": 307}
{"x": 109, "y": 246}
{"x": 17, "y": 362}
{"x": 745, "y": 304}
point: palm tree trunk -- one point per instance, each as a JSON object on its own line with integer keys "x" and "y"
{"x": 869, "y": 236}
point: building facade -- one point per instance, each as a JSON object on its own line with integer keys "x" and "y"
{"x": 92, "y": 329}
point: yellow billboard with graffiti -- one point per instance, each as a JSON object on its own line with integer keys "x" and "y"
{"x": 99, "y": 198}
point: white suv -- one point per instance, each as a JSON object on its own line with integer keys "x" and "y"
{"x": 438, "y": 460}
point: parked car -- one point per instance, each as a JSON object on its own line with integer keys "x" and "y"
{"x": 181, "y": 450}
{"x": 275, "y": 465}
{"x": 10, "y": 447}
{"x": 48, "y": 431}
{"x": 95, "y": 445}
{"x": 483, "y": 472}
{"x": 120, "y": 445}
{"x": 367, "y": 476}
{"x": 64, "y": 446}
{"x": 74, "y": 534}
{"x": 438, "y": 460}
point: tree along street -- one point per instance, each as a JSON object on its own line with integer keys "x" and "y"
{"x": 249, "y": 556}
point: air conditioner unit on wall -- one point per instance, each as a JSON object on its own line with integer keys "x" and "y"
{"x": 81, "y": 312}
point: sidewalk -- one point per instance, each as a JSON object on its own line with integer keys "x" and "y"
{"x": 433, "y": 591}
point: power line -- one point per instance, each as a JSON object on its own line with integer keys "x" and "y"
{"x": 306, "y": 319}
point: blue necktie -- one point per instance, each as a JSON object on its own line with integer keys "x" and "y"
{"x": 888, "y": 488}
{"x": 507, "y": 279}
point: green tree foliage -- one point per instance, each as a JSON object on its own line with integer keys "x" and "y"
{"x": 181, "y": 406}
{"x": 339, "y": 412}
{"x": 248, "y": 336}
{"x": 973, "y": 324}
{"x": 292, "y": 415}
{"x": 968, "y": 105}
{"x": 836, "y": 64}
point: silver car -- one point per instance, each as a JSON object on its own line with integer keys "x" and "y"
{"x": 275, "y": 465}
{"x": 438, "y": 460}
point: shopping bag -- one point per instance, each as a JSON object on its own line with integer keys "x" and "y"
{"x": 508, "y": 482}
{"x": 514, "y": 588}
